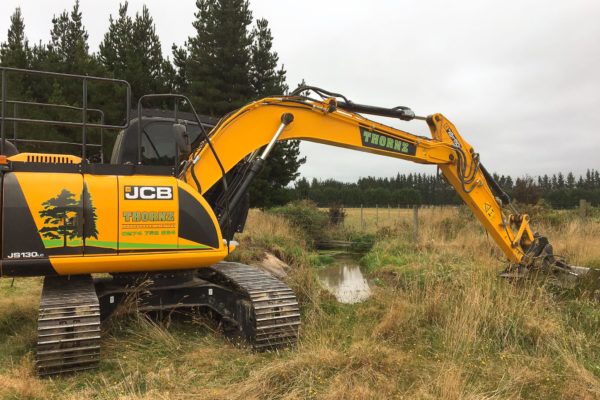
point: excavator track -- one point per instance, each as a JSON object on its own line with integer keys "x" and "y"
{"x": 264, "y": 310}
{"x": 273, "y": 320}
{"x": 68, "y": 326}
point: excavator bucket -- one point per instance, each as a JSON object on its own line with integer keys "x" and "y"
{"x": 583, "y": 280}
{"x": 540, "y": 262}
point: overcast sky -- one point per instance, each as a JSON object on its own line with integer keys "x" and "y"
{"x": 519, "y": 78}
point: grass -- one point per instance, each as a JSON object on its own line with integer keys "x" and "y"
{"x": 439, "y": 325}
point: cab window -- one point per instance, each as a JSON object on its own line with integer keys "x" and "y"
{"x": 158, "y": 144}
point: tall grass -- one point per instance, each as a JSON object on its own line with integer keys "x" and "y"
{"x": 439, "y": 325}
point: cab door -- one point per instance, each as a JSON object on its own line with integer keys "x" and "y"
{"x": 100, "y": 210}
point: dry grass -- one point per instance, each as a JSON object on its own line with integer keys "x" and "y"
{"x": 266, "y": 231}
{"x": 440, "y": 325}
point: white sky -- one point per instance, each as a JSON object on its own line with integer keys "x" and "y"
{"x": 519, "y": 78}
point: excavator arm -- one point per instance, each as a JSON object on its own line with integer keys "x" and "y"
{"x": 250, "y": 132}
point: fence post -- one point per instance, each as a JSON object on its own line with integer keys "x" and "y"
{"x": 583, "y": 208}
{"x": 377, "y": 215}
{"x": 416, "y": 224}
{"x": 362, "y": 221}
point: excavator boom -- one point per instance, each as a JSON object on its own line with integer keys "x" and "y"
{"x": 260, "y": 124}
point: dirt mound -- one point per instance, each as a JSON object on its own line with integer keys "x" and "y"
{"x": 273, "y": 265}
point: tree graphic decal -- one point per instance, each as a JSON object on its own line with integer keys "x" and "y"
{"x": 88, "y": 221}
{"x": 59, "y": 215}
{"x": 65, "y": 217}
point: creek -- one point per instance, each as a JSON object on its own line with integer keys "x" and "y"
{"x": 344, "y": 279}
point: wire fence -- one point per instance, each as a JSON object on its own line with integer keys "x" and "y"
{"x": 372, "y": 219}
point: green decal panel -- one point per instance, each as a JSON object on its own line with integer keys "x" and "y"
{"x": 377, "y": 140}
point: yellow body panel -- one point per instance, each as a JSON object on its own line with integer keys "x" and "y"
{"x": 162, "y": 261}
{"x": 46, "y": 158}
{"x": 108, "y": 223}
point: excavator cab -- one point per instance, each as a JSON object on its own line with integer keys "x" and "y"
{"x": 159, "y": 142}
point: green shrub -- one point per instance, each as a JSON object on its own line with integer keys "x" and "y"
{"x": 337, "y": 214}
{"x": 305, "y": 215}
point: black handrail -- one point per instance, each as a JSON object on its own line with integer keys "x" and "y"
{"x": 84, "y": 124}
{"x": 15, "y": 103}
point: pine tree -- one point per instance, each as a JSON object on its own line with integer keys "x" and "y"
{"x": 546, "y": 182}
{"x": 570, "y": 180}
{"x": 180, "y": 82}
{"x": 58, "y": 216}
{"x": 284, "y": 161}
{"x": 146, "y": 58}
{"x": 265, "y": 78}
{"x": 302, "y": 187}
{"x": 226, "y": 66}
{"x": 131, "y": 50}
{"x": 87, "y": 220}
{"x": 589, "y": 179}
{"x": 218, "y": 66}
{"x": 168, "y": 77}
{"x": 560, "y": 181}
{"x": 15, "y": 52}
{"x": 281, "y": 168}
{"x": 114, "y": 49}
{"x": 69, "y": 50}
{"x": 554, "y": 182}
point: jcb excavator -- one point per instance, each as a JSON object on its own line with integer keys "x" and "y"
{"x": 163, "y": 212}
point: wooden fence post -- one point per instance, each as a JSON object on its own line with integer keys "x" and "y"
{"x": 583, "y": 208}
{"x": 416, "y": 224}
{"x": 362, "y": 221}
{"x": 377, "y": 215}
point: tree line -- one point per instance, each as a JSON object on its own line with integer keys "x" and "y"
{"x": 557, "y": 190}
{"x": 228, "y": 62}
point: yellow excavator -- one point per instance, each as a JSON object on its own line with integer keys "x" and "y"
{"x": 163, "y": 212}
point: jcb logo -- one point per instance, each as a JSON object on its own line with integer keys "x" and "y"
{"x": 148, "y": 193}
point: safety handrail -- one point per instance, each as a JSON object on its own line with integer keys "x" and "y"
{"x": 84, "y": 124}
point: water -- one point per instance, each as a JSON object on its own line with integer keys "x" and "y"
{"x": 345, "y": 280}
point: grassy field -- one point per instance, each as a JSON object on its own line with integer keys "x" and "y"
{"x": 439, "y": 325}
